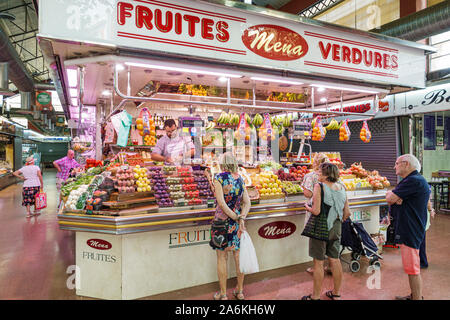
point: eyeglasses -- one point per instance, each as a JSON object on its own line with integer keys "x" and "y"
{"x": 398, "y": 162}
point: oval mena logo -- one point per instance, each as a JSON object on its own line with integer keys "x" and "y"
{"x": 99, "y": 244}
{"x": 275, "y": 42}
{"x": 277, "y": 230}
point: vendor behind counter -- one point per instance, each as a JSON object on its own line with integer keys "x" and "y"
{"x": 172, "y": 147}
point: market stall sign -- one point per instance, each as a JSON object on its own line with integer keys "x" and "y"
{"x": 99, "y": 244}
{"x": 277, "y": 230}
{"x": 44, "y": 100}
{"x": 249, "y": 37}
{"x": 275, "y": 42}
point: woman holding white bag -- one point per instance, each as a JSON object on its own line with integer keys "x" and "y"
{"x": 233, "y": 205}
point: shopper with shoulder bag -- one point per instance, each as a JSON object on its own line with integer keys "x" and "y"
{"x": 330, "y": 208}
{"x": 232, "y": 206}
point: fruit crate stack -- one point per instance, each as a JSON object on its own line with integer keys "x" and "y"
{"x": 188, "y": 187}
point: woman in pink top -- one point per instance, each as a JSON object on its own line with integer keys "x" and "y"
{"x": 31, "y": 174}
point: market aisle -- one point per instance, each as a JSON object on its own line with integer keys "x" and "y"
{"x": 35, "y": 255}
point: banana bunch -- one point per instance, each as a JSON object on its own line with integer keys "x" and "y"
{"x": 333, "y": 125}
{"x": 210, "y": 125}
{"x": 257, "y": 120}
{"x": 223, "y": 119}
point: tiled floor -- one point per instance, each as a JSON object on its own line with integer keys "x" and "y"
{"x": 35, "y": 256}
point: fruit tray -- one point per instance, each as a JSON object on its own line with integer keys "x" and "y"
{"x": 270, "y": 197}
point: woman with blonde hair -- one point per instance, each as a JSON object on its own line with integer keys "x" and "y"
{"x": 233, "y": 205}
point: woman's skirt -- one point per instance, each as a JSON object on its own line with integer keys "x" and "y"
{"x": 29, "y": 195}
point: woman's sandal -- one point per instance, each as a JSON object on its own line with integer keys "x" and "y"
{"x": 332, "y": 296}
{"x": 218, "y": 296}
{"x": 309, "y": 297}
{"x": 28, "y": 216}
{"x": 239, "y": 295}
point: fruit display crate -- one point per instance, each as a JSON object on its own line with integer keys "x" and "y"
{"x": 115, "y": 196}
{"x": 272, "y": 197}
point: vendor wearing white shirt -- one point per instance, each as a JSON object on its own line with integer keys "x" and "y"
{"x": 172, "y": 147}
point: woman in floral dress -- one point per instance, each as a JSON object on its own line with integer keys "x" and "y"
{"x": 233, "y": 204}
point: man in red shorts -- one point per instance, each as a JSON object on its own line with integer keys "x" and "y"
{"x": 409, "y": 201}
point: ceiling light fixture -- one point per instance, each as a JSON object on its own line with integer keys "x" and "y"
{"x": 321, "y": 89}
{"x": 106, "y": 93}
{"x": 186, "y": 70}
{"x": 75, "y": 101}
{"x": 276, "y": 80}
{"x": 323, "y": 100}
{"x": 344, "y": 89}
{"x": 223, "y": 79}
{"x": 72, "y": 76}
{"x": 73, "y": 92}
{"x": 120, "y": 67}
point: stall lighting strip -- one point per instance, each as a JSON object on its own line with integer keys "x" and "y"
{"x": 344, "y": 89}
{"x": 196, "y": 71}
{"x": 276, "y": 80}
{"x": 230, "y": 105}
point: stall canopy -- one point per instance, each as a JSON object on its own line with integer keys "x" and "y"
{"x": 203, "y": 42}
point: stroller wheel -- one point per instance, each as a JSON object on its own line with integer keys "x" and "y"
{"x": 356, "y": 256}
{"x": 375, "y": 264}
{"x": 355, "y": 266}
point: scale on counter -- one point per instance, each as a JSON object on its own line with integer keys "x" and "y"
{"x": 301, "y": 131}
{"x": 195, "y": 125}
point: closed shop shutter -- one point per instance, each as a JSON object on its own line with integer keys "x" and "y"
{"x": 379, "y": 154}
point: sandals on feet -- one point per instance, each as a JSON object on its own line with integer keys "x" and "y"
{"x": 239, "y": 295}
{"x": 218, "y": 296}
{"x": 332, "y": 296}
{"x": 309, "y": 297}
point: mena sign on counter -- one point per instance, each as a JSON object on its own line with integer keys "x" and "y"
{"x": 223, "y": 33}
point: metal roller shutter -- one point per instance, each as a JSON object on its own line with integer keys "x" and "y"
{"x": 379, "y": 154}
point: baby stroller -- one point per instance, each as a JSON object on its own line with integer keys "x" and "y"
{"x": 356, "y": 239}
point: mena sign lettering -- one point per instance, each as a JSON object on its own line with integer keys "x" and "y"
{"x": 224, "y": 33}
{"x": 99, "y": 244}
{"x": 277, "y": 230}
{"x": 275, "y": 42}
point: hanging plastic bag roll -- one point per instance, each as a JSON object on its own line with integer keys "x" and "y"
{"x": 248, "y": 262}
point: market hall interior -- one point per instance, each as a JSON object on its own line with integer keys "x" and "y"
{"x": 37, "y": 261}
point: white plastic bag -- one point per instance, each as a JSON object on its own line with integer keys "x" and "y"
{"x": 248, "y": 262}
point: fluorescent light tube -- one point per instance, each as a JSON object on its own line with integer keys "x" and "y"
{"x": 72, "y": 76}
{"x": 344, "y": 89}
{"x": 276, "y": 80}
{"x": 151, "y": 66}
{"x": 73, "y": 92}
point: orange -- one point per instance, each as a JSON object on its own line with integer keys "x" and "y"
{"x": 141, "y": 133}
{"x": 139, "y": 121}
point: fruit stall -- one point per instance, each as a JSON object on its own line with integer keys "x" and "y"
{"x": 142, "y": 227}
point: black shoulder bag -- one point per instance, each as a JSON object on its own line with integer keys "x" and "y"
{"x": 317, "y": 226}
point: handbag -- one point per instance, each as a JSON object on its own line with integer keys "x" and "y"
{"x": 40, "y": 201}
{"x": 219, "y": 234}
{"x": 317, "y": 225}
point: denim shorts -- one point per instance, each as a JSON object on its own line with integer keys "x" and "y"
{"x": 319, "y": 250}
